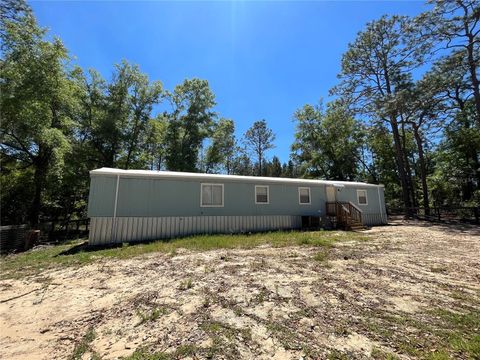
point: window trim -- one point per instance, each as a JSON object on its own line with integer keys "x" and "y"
{"x": 201, "y": 195}
{"x": 268, "y": 194}
{"x": 309, "y": 195}
{"x": 358, "y": 197}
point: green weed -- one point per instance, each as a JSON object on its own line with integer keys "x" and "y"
{"x": 78, "y": 253}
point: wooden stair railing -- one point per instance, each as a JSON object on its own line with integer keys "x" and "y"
{"x": 346, "y": 214}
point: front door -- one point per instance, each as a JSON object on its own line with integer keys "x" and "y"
{"x": 331, "y": 194}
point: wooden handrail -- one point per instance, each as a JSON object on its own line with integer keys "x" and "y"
{"x": 346, "y": 213}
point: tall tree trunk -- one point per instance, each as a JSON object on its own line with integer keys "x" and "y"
{"x": 475, "y": 82}
{"x": 36, "y": 203}
{"x": 472, "y": 65}
{"x": 40, "y": 164}
{"x": 399, "y": 151}
{"x": 133, "y": 142}
{"x": 423, "y": 169}
{"x": 260, "y": 160}
{"x": 408, "y": 169}
{"x": 401, "y": 165}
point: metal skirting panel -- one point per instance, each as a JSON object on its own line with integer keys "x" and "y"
{"x": 106, "y": 230}
{"x": 374, "y": 219}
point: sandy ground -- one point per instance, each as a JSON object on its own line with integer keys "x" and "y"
{"x": 255, "y": 304}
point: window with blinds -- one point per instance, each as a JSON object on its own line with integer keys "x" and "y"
{"x": 212, "y": 195}
{"x": 261, "y": 194}
{"x": 304, "y": 196}
{"x": 362, "y": 197}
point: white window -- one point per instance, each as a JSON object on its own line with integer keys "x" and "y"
{"x": 211, "y": 195}
{"x": 362, "y": 197}
{"x": 262, "y": 195}
{"x": 304, "y": 196}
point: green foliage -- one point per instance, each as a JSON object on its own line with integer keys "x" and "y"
{"x": 241, "y": 164}
{"x": 115, "y": 122}
{"x": 328, "y": 143}
{"x": 186, "y": 284}
{"x": 321, "y": 256}
{"x": 151, "y": 315}
{"x": 221, "y": 150}
{"x": 33, "y": 262}
{"x": 456, "y": 178}
{"x": 274, "y": 168}
{"x": 37, "y": 104}
{"x": 259, "y": 139}
{"x": 189, "y": 124}
{"x": 83, "y": 346}
{"x": 144, "y": 354}
{"x": 418, "y": 135}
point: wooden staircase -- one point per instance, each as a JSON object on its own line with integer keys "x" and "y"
{"x": 345, "y": 215}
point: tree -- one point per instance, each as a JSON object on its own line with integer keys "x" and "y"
{"x": 155, "y": 146}
{"x": 327, "y": 144}
{"x": 455, "y": 179}
{"x": 274, "y": 168}
{"x": 290, "y": 169}
{"x": 374, "y": 68}
{"x": 91, "y": 141}
{"x": 420, "y": 108}
{"x": 241, "y": 163}
{"x": 189, "y": 123}
{"x": 259, "y": 139}
{"x": 37, "y": 104}
{"x": 114, "y": 117}
{"x": 220, "y": 152}
{"x": 13, "y": 13}
{"x": 380, "y": 145}
{"x": 455, "y": 25}
{"x": 141, "y": 100}
{"x": 448, "y": 90}
{"x": 111, "y": 128}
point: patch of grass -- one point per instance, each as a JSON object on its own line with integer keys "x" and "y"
{"x": 464, "y": 297}
{"x": 321, "y": 256}
{"x": 341, "y": 330}
{"x": 309, "y": 352}
{"x": 262, "y": 295}
{"x": 84, "y": 346}
{"x": 465, "y": 345}
{"x": 216, "y": 328}
{"x": 186, "y": 350}
{"x": 77, "y": 253}
{"x": 337, "y": 355}
{"x": 439, "y": 269}
{"x": 451, "y": 334}
{"x": 288, "y": 338}
{"x": 459, "y": 331}
{"x": 378, "y": 354}
{"x": 223, "y": 340}
{"x": 152, "y": 315}
{"x": 465, "y": 321}
{"x": 258, "y": 265}
{"x": 186, "y": 284}
{"x": 207, "y": 302}
{"x": 438, "y": 355}
{"x": 209, "y": 269}
{"x": 144, "y": 354}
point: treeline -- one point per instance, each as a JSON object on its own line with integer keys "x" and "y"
{"x": 406, "y": 111}
{"x": 405, "y": 114}
{"x": 59, "y": 122}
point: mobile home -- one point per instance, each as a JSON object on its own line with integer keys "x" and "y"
{"x": 140, "y": 205}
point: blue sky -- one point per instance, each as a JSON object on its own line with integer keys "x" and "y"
{"x": 263, "y": 60}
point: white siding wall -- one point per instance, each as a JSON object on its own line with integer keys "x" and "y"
{"x": 105, "y": 230}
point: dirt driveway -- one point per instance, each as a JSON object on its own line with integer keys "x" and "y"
{"x": 411, "y": 290}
